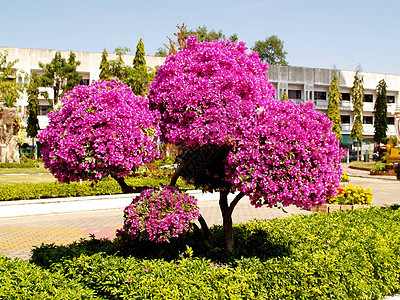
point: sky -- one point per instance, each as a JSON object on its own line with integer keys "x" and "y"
{"x": 343, "y": 34}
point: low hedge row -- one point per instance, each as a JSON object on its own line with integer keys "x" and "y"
{"x": 340, "y": 255}
{"x": 56, "y": 190}
{"x": 22, "y": 280}
{"x": 17, "y": 166}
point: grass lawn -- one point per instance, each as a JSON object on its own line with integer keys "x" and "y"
{"x": 361, "y": 164}
{"x": 15, "y": 179}
{"x": 23, "y": 170}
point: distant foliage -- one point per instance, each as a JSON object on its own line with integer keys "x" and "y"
{"x": 33, "y": 106}
{"x": 10, "y": 89}
{"x": 271, "y": 51}
{"x": 102, "y": 129}
{"x": 333, "y": 112}
{"x": 357, "y": 96}
{"x": 380, "y": 112}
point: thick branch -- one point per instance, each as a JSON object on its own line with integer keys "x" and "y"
{"x": 126, "y": 189}
{"x": 204, "y": 228}
{"x": 234, "y": 202}
{"x": 177, "y": 173}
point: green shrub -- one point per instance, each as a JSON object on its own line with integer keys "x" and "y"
{"x": 341, "y": 255}
{"x": 379, "y": 167}
{"x": 21, "y": 280}
{"x": 47, "y": 254}
{"x": 352, "y": 195}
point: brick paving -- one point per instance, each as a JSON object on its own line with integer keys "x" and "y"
{"x": 18, "y": 235}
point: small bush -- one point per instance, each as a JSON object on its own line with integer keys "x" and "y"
{"x": 379, "y": 167}
{"x": 345, "y": 178}
{"x": 159, "y": 215}
{"x": 352, "y": 195}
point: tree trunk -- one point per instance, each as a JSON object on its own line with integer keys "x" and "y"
{"x": 126, "y": 189}
{"x": 226, "y": 221}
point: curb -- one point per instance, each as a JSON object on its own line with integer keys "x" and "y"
{"x": 59, "y": 205}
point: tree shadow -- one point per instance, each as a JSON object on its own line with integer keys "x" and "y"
{"x": 248, "y": 243}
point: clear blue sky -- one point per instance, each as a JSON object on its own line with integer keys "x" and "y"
{"x": 316, "y": 33}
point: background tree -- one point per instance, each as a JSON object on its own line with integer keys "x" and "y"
{"x": 60, "y": 75}
{"x": 357, "y": 96}
{"x": 72, "y": 77}
{"x": 235, "y": 136}
{"x": 161, "y": 52}
{"x": 202, "y": 33}
{"x": 140, "y": 76}
{"x": 333, "y": 112}
{"x": 380, "y": 112}
{"x": 102, "y": 129}
{"x": 104, "y": 67}
{"x": 271, "y": 51}
{"x": 118, "y": 68}
{"x": 33, "y": 108}
{"x": 10, "y": 89}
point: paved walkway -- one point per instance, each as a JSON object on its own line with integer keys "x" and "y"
{"x": 19, "y": 234}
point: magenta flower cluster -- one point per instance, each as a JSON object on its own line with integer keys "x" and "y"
{"x": 207, "y": 92}
{"x": 289, "y": 155}
{"x": 102, "y": 129}
{"x": 214, "y": 93}
{"x": 159, "y": 215}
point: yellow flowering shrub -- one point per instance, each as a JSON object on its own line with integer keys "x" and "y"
{"x": 352, "y": 195}
{"x": 345, "y": 178}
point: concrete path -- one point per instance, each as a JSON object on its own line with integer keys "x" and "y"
{"x": 26, "y": 224}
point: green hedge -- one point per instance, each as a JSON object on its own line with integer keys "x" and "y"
{"x": 27, "y": 191}
{"x": 17, "y": 166}
{"x": 340, "y": 255}
{"x": 22, "y": 280}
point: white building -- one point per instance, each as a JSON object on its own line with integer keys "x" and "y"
{"x": 302, "y": 84}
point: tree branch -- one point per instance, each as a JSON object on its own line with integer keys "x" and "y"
{"x": 235, "y": 201}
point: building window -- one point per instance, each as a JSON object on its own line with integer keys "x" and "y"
{"x": 368, "y": 98}
{"x": 85, "y": 81}
{"x": 368, "y": 120}
{"x": 43, "y": 109}
{"x": 390, "y": 120}
{"x": 294, "y": 94}
{"x": 345, "y": 119}
{"x": 346, "y": 96}
{"x": 390, "y": 99}
{"x": 319, "y": 95}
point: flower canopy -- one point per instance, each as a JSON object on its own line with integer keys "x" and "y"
{"x": 101, "y": 129}
{"x": 214, "y": 94}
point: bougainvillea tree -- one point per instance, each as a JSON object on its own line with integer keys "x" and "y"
{"x": 216, "y": 103}
{"x": 102, "y": 129}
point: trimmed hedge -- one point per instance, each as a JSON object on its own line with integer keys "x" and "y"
{"x": 28, "y": 191}
{"x": 341, "y": 255}
{"x": 22, "y": 280}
